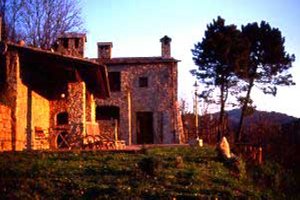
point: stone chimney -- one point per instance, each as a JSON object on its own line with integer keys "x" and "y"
{"x": 104, "y": 50}
{"x": 166, "y": 47}
{"x": 71, "y": 44}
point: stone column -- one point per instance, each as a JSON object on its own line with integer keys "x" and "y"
{"x": 16, "y": 94}
{"x": 77, "y": 104}
{"x": 93, "y": 109}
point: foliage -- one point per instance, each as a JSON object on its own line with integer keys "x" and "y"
{"x": 277, "y": 181}
{"x": 105, "y": 175}
{"x": 235, "y": 61}
{"x": 40, "y": 22}
{"x": 222, "y": 52}
{"x": 268, "y": 64}
{"x": 150, "y": 165}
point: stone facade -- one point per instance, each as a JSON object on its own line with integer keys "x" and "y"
{"x": 5, "y": 128}
{"x": 147, "y": 85}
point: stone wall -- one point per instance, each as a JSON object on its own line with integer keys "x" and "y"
{"x": 28, "y": 109}
{"x": 77, "y": 103}
{"x": 73, "y": 103}
{"x": 57, "y": 106}
{"x": 159, "y": 98}
{"x": 40, "y": 116}
{"x": 5, "y": 128}
{"x": 90, "y": 108}
{"x": 16, "y": 94}
{"x": 107, "y": 127}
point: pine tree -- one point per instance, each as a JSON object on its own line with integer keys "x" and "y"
{"x": 222, "y": 52}
{"x": 268, "y": 64}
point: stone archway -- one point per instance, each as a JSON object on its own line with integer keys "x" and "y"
{"x": 62, "y": 118}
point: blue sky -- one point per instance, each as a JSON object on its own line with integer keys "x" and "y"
{"x": 135, "y": 27}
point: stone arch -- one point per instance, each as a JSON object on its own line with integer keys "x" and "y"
{"x": 62, "y": 118}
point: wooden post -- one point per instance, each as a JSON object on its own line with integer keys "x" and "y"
{"x": 196, "y": 110}
{"x": 116, "y": 133}
{"x": 129, "y": 117}
{"x": 260, "y": 155}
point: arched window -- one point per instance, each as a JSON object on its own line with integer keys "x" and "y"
{"x": 107, "y": 112}
{"x": 62, "y": 118}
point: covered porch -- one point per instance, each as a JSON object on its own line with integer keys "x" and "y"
{"x": 49, "y": 94}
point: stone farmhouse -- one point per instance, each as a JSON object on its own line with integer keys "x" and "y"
{"x": 143, "y": 96}
{"x": 47, "y": 95}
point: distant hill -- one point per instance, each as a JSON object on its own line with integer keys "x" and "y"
{"x": 257, "y": 116}
{"x": 258, "y": 127}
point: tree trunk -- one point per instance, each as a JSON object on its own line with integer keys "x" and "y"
{"x": 221, "y": 117}
{"x": 238, "y": 135}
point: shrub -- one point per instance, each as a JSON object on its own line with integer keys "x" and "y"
{"x": 150, "y": 165}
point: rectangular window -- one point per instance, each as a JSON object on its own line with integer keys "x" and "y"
{"x": 65, "y": 43}
{"x": 76, "y": 43}
{"x": 143, "y": 82}
{"x": 114, "y": 81}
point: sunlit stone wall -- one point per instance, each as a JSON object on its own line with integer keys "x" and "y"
{"x": 5, "y": 128}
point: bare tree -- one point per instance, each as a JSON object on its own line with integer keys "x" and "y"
{"x": 40, "y": 22}
{"x": 10, "y": 10}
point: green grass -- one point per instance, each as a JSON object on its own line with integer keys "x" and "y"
{"x": 181, "y": 172}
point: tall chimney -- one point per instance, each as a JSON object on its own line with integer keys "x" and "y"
{"x": 104, "y": 50}
{"x": 166, "y": 47}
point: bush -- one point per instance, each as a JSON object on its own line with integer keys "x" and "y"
{"x": 150, "y": 165}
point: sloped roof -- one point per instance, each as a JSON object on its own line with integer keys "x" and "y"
{"x": 136, "y": 60}
{"x": 63, "y": 67}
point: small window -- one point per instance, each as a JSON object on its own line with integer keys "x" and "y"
{"x": 114, "y": 81}
{"x": 76, "y": 43}
{"x": 66, "y": 43}
{"x": 143, "y": 82}
{"x": 62, "y": 118}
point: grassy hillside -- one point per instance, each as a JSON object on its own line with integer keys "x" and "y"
{"x": 181, "y": 172}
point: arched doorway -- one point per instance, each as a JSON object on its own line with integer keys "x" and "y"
{"x": 62, "y": 118}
